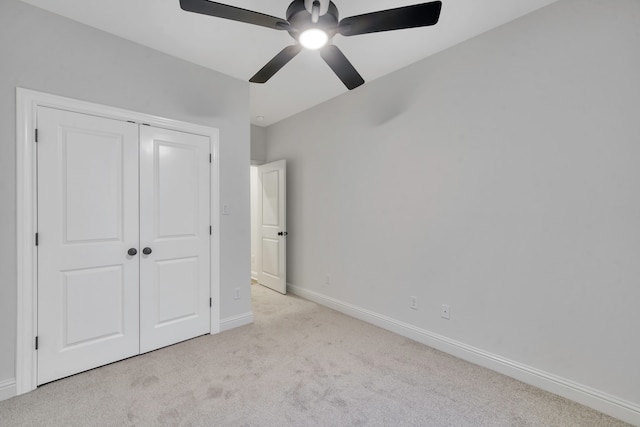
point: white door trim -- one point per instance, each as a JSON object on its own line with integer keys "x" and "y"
{"x": 27, "y": 102}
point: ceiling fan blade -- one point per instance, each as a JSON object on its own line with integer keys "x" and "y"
{"x": 278, "y": 61}
{"x": 417, "y": 15}
{"x": 233, "y": 13}
{"x": 341, "y": 66}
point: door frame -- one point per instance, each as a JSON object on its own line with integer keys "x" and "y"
{"x": 27, "y": 103}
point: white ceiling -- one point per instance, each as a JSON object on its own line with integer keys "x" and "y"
{"x": 240, "y": 50}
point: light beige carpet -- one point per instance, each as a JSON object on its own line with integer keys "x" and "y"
{"x": 299, "y": 364}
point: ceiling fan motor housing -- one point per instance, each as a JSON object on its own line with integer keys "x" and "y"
{"x": 300, "y": 19}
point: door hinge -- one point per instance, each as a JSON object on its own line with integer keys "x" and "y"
{"x": 36, "y": 239}
{"x": 36, "y": 135}
{"x": 210, "y": 158}
{"x": 36, "y": 343}
{"x": 210, "y": 302}
{"x": 210, "y": 231}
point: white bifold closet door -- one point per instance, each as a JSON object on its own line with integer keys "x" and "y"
{"x": 108, "y": 190}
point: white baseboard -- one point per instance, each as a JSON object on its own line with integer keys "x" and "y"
{"x": 236, "y": 321}
{"x": 596, "y": 399}
{"x": 7, "y": 389}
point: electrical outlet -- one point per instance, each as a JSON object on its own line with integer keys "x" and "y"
{"x": 236, "y": 293}
{"x": 327, "y": 280}
{"x": 445, "y": 311}
{"x": 413, "y": 303}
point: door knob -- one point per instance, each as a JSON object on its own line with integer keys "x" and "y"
{"x": 282, "y": 233}
{"x": 132, "y": 251}
{"x": 146, "y": 251}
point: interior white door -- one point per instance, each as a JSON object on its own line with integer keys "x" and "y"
{"x": 174, "y": 237}
{"x": 272, "y": 204}
{"x": 87, "y": 222}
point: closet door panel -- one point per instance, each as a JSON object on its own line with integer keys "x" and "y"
{"x": 87, "y": 221}
{"x": 174, "y": 229}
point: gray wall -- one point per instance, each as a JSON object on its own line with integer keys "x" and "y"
{"x": 48, "y": 53}
{"x": 501, "y": 177}
{"x": 258, "y": 144}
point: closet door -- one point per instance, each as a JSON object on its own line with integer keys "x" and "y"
{"x": 174, "y": 237}
{"x": 87, "y": 223}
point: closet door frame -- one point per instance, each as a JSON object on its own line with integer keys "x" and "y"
{"x": 27, "y": 103}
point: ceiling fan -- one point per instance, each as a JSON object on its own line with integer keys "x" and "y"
{"x": 313, "y": 23}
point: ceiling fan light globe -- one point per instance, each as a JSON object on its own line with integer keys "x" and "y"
{"x": 313, "y": 38}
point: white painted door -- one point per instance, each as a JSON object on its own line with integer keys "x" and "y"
{"x": 110, "y": 191}
{"x": 87, "y": 221}
{"x": 175, "y": 229}
{"x": 272, "y": 203}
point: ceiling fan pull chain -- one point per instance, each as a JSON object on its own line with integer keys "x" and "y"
{"x": 315, "y": 11}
